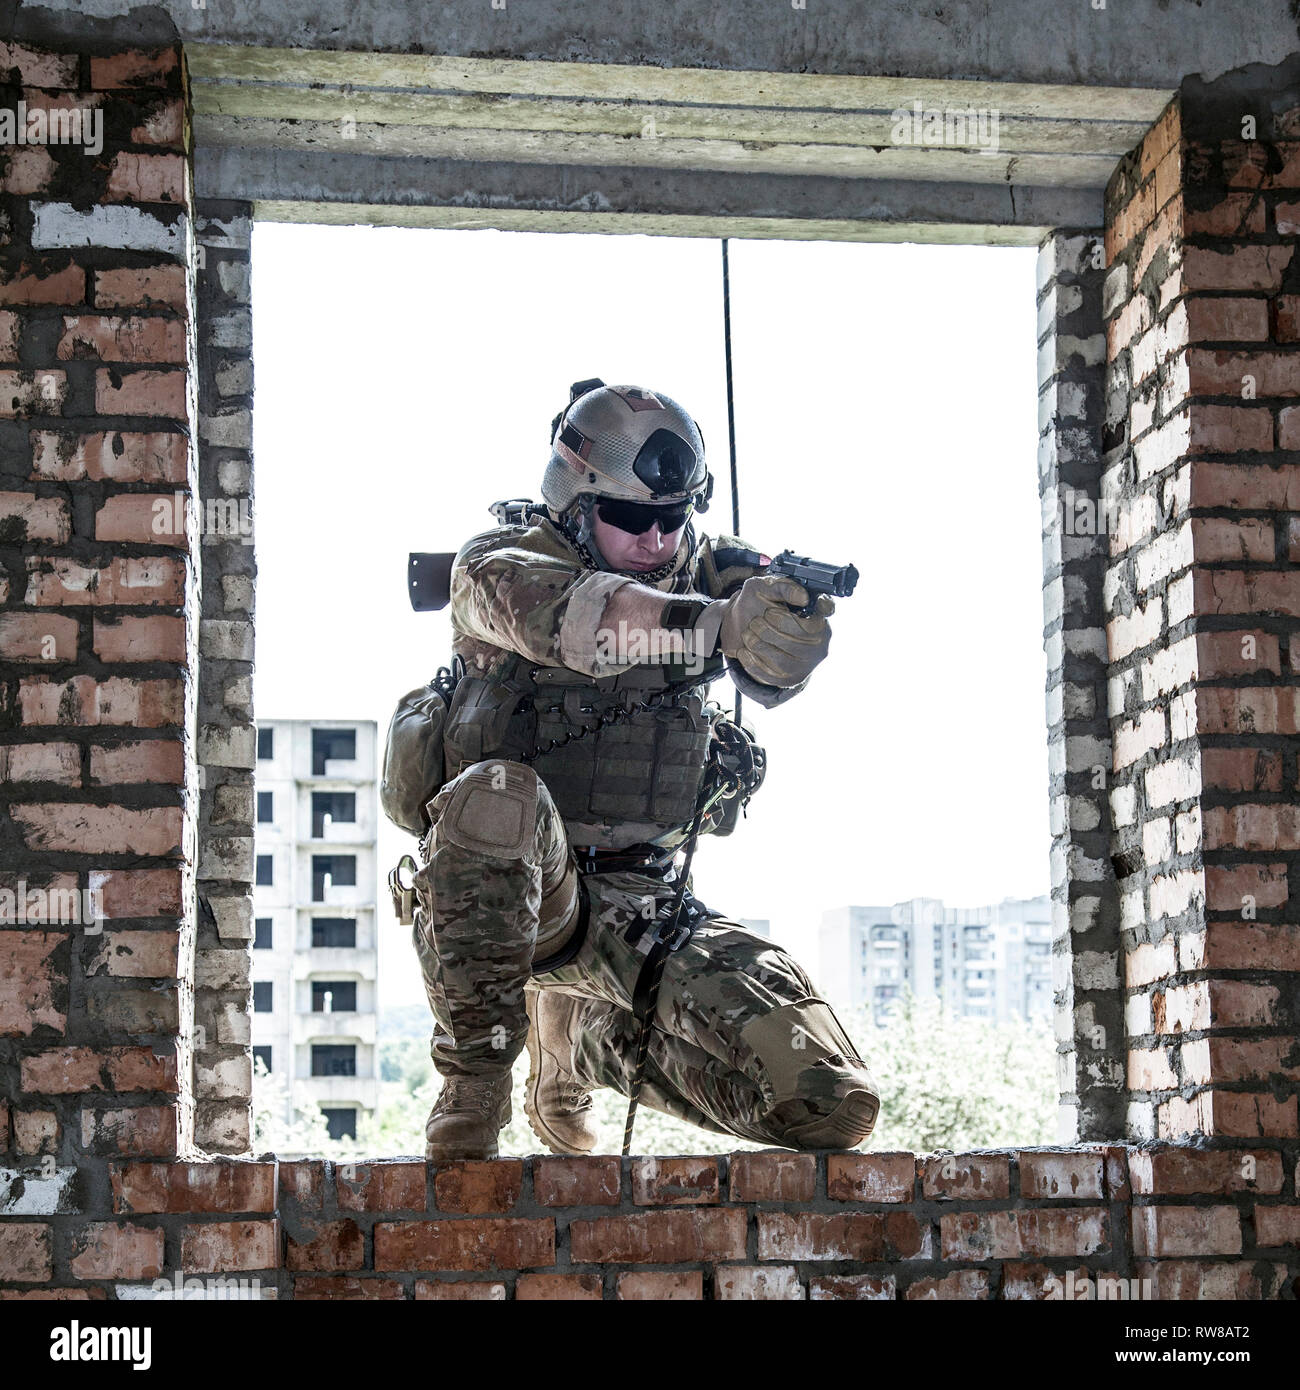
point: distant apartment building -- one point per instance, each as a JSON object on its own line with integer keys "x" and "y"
{"x": 983, "y": 962}
{"x": 315, "y": 949}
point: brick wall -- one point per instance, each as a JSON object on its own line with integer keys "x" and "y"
{"x": 1202, "y": 595}
{"x": 992, "y": 1225}
{"x": 97, "y": 632}
{"x": 227, "y": 741}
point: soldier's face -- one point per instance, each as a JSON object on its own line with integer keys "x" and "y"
{"x": 647, "y": 551}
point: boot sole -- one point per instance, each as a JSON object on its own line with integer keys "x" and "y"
{"x": 842, "y": 1128}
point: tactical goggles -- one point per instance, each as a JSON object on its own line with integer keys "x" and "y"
{"x": 638, "y": 517}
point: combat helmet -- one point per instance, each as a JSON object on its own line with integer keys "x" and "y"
{"x": 624, "y": 443}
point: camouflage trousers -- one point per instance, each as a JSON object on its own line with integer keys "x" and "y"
{"x": 742, "y": 1043}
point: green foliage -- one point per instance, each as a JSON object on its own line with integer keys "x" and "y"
{"x": 946, "y": 1083}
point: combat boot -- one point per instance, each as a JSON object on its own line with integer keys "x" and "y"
{"x": 556, "y": 1102}
{"x": 467, "y": 1117}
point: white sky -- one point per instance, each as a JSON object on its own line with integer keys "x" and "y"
{"x": 885, "y": 415}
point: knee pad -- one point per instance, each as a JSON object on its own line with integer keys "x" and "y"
{"x": 808, "y": 1058}
{"x": 492, "y": 810}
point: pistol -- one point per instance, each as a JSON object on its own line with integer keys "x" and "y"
{"x": 816, "y": 576}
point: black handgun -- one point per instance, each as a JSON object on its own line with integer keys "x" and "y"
{"x": 815, "y": 576}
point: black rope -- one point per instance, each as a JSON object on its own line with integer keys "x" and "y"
{"x": 731, "y": 410}
{"x": 645, "y": 993}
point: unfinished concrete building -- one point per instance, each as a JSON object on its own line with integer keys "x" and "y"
{"x": 1150, "y": 149}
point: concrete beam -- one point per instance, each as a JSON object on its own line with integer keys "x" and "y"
{"x": 1129, "y": 43}
{"x": 323, "y": 186}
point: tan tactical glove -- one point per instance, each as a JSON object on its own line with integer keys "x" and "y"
{"x": 775, "y": 645}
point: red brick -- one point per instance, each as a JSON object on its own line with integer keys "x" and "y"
{"x": 84, "y": 700}
{"x": 1276, "y": 1225}
{"x": 1047, "y": 1174}
{"x": 1167, "y": 1230}
{"x": 1245, "y": 1059}
{"x": 117, "y": 338}
{"x": 1212, "y": 373}
{"x": 1240, "y": 1004}
{"x": 34, "y": 67}
{"x": 118, "y": 456}
{"x": 25, "y": 1252}
{"x": 460, "y": 1290}
{"x": 11, "y": 328}
{"x": 474, "y": 1243}
{"x": 23, "y": 393}
{"x": 163, "y": 124}
{"x": 1251, "y": 945}
{"x": 773, "y": 1177}
{"x": 303, "y": 1183}
{"x": 112, "y": 1250}
{"x": 141, "y": 288}
{"x": 30, "y": 172}
{"x": 146, "y": 178}
{"x": 674, "y": 1181}
{"x": 1218, "y": 538}
{"x": 1036, "y": 1231}
{"x": 141, "y": 639}
{"x": 32, "y": 286}
{"x": 576, "y": 1182}
{"x": 860, "y": 1288}
{"x": 381, "y": 1186}
{"x": 1288, "y": 318}
{"x": 220, "y": 1185}
{"x": 38, "y": 637}
{"x": 136, "y": 68}
{"x": 79, "y": 829}
{"x": 1129, "y": 220}
{"x": 154, "y": 579}
{"x": 33, "y": 980}
{"x": 882, "y": 1177}
{"x": 660, "y": 1237}
{"x": 1241, "y": 770}
{"x": 226, "y": 1246}
{"x": 316, "y": 1286}
{"x": 665, "y": 1286}
{"x": 149, "y": 955}
{"x": 1187, "y": 1172}
{"x": 159, "y": 760}
{"x": 139, "y": 892}
{"x": 1237, "y": 214}
{"x": 1254, "y": 828}
{"x": 1193, "y": 1280}
{"x": 1235, "y": 654}
{"x": 325, "y": 1245}
{"x": 968, "y": 1176}
{"x": 1241, "y": 268}
{"x": 1229, "y": 1114}
{"x": 758, "y": 1284}
{"x": 27, "y": 518}
{"x": 1254, "y": 487}
{"x": 36, "y": 1132}
{"x": 860, "y": 1236}
{"x": 559, "y": 1288}
{"x": 141, "y": 392}
{"x": 479, "y": 1188}
{"x": 962, "y": 1284}
{"x": 141, "y": 1131}
{"x": 48, "y": 1294}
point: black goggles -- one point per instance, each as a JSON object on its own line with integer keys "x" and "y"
{"x": 638, "y": 517}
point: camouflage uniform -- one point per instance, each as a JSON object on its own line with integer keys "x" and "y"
{"x": 743, "y": 1044}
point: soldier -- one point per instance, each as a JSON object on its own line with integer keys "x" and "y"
{"x": 577, "y": 745}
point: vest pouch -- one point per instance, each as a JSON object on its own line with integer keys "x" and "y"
{"x": 477, "y": 722}
{"x": 413, "y": 758}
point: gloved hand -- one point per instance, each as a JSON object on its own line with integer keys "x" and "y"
{"x": 773, "y": 643}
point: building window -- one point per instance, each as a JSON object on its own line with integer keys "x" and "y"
{"x": 338, "y": 806}
{"x": 334, "y": 1059}
{"x": 263, "y": 1055}
{"x": 331, "y": 745}
{"x": 265, "y": 814}
{"x": 262, "y": 990}
{"x": 262, "y": 934}
{"x": 339, "y": 869}
{"x": 333, "y": 996}
{"x": 342, "y": 1124}
{"x": 265, "y": 870}
{"x": 333, "y": 931}
{"x": 265, "y": 745}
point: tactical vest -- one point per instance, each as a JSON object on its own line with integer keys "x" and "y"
{"x": 622, "y": 756}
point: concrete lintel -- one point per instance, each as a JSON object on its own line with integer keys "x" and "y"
{"x": 531, "y": 197}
